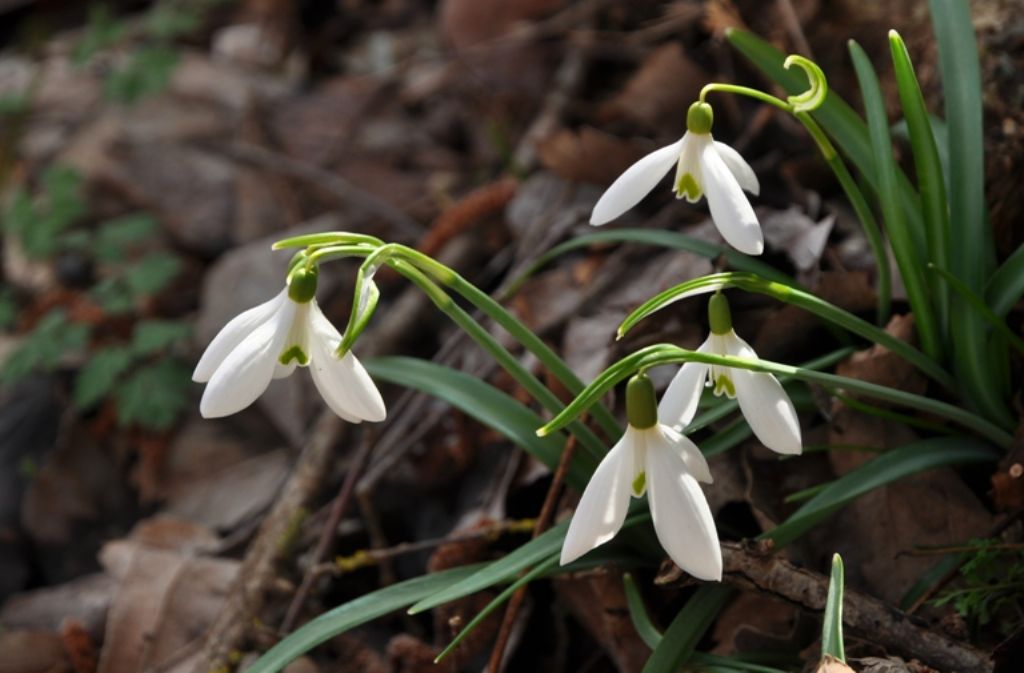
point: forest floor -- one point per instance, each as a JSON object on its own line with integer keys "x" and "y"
{"x": 151, "y": 153}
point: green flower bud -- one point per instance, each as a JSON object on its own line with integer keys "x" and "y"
{"x": 302, "y": 284}
{"x": 719, "y": 315}
{"x": 641, "y": 403}
{"x": 699, "y": 118}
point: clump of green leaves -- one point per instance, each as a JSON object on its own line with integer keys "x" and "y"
{"x": 993, "y": 586}
{"x": 149, "y": 387}
{"x": 150, "y": 64}
{"x": 39, "y": 222}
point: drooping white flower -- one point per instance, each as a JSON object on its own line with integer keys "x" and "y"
{"x": 269, "y": 341}
{"x": 761, "y": 397}
{"x": 653, "y": 458}
{"x": 704, "y": 166}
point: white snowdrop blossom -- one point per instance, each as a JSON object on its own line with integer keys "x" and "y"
{"x": 761, "y": 397}
{"x": 650, "y": 457}
{"x": 268, "y": 342}
{"x": 704, "y": 166}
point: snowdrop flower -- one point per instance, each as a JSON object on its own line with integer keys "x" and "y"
{"x": 762, "y": 399}
{"x": 704, "y": 166}
{"x": 269, "y": 341}
{"x": 651, "y": 457}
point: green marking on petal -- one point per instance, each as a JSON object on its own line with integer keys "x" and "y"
{"x": 639, "y": 484}
{"x": 723, "y": 384}
{"x": 687, "y": 186}
{"x": 294, "y": 353}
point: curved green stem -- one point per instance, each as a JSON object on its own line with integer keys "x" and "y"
{"x": 485, "y": 303}
{"x": 745, "y": 91}
{"x": 791, "y": 295}
{"x": 861, "y": 208}
{"x": 662, "y": 354}
{"x": 475, "y": 330}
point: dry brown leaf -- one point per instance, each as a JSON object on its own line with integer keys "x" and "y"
{"x": 166, "y": 600}
{"x": 881, "y": 366}
{"x": 659, "y": 93}
{"x": 464, "y": 23}
{"x": 759, "y": 623}
{"x": 32, "y": 652}
{"x": 598, "y": 601}
{"x": 587, "y": 155}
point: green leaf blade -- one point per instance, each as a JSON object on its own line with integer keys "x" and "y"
{"x": 680, "y": 640}
{"x": 886, "y": 469}
{"x": 832, "y": 626}
{"x": 355, "y": 613}
{"x": 902, "y": 234}
{"x": 100, "y": 373}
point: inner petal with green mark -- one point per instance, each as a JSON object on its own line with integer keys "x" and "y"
{"x": 639, "y": 484}
{"x": 294, "y": 353}
{"x": 687, "y": 186}
{"x": 723, "y": 384}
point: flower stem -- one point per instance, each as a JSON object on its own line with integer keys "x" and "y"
{"x": 661, "y": 354}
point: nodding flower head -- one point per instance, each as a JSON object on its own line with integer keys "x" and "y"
{"x": 270, "y": 341}
{"x": 650, "y": 458}
{"x": 704, "y": 167}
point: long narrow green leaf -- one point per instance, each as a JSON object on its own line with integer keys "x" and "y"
{"x": 1006, "y": 286}
{"x": 495, "y": 603}
{"x": 978, "y": 304}
{"x": 665, "y": 239}
{"x": 972, "y": 249}
{"x": 355, "y": 613}
{"x": 835, "y": 115}
{"x": 979, "y": 363}
{"x": 930, "y": 181}
{"x": 832, "y": 625}
{"x": 505, "y": 569}
{"x": 688, "y": 627}
{"x": 887, "y": 468}
{"x": 645, "y": 628}
{"x": 484, "y": 403}
{"x": 899, "y": 230}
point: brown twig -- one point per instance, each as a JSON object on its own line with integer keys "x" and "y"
{"x": 547, "y": 512}
{"x": 756, "y": 569}
{"x": 323, "y": 545}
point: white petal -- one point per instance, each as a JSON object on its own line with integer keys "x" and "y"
{"x": 605, "y": 501}
{"x": 739, "y": 167}
{"x": 343, "y": 382}
{"x": 689, "y": 162}
{"x": 232, "y": 334}
{"x": 633, "y": 185}
{"x": 765, "y": 404}
{"x": 730, "y": 209}
{"x": 247, "y": 370}
{"x": 679, "y": 403}
{"x": 282, "y": 371}
{"x": 682, "y": 518}
{"x": 696, "y": 463}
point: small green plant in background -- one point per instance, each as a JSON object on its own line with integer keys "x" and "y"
{"x": 152, "y": 54}
{"x": 147, "y": 383}
{"x": 992, "y": 586}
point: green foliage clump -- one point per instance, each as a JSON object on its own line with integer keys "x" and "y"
{"x": 993, "y": 579}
